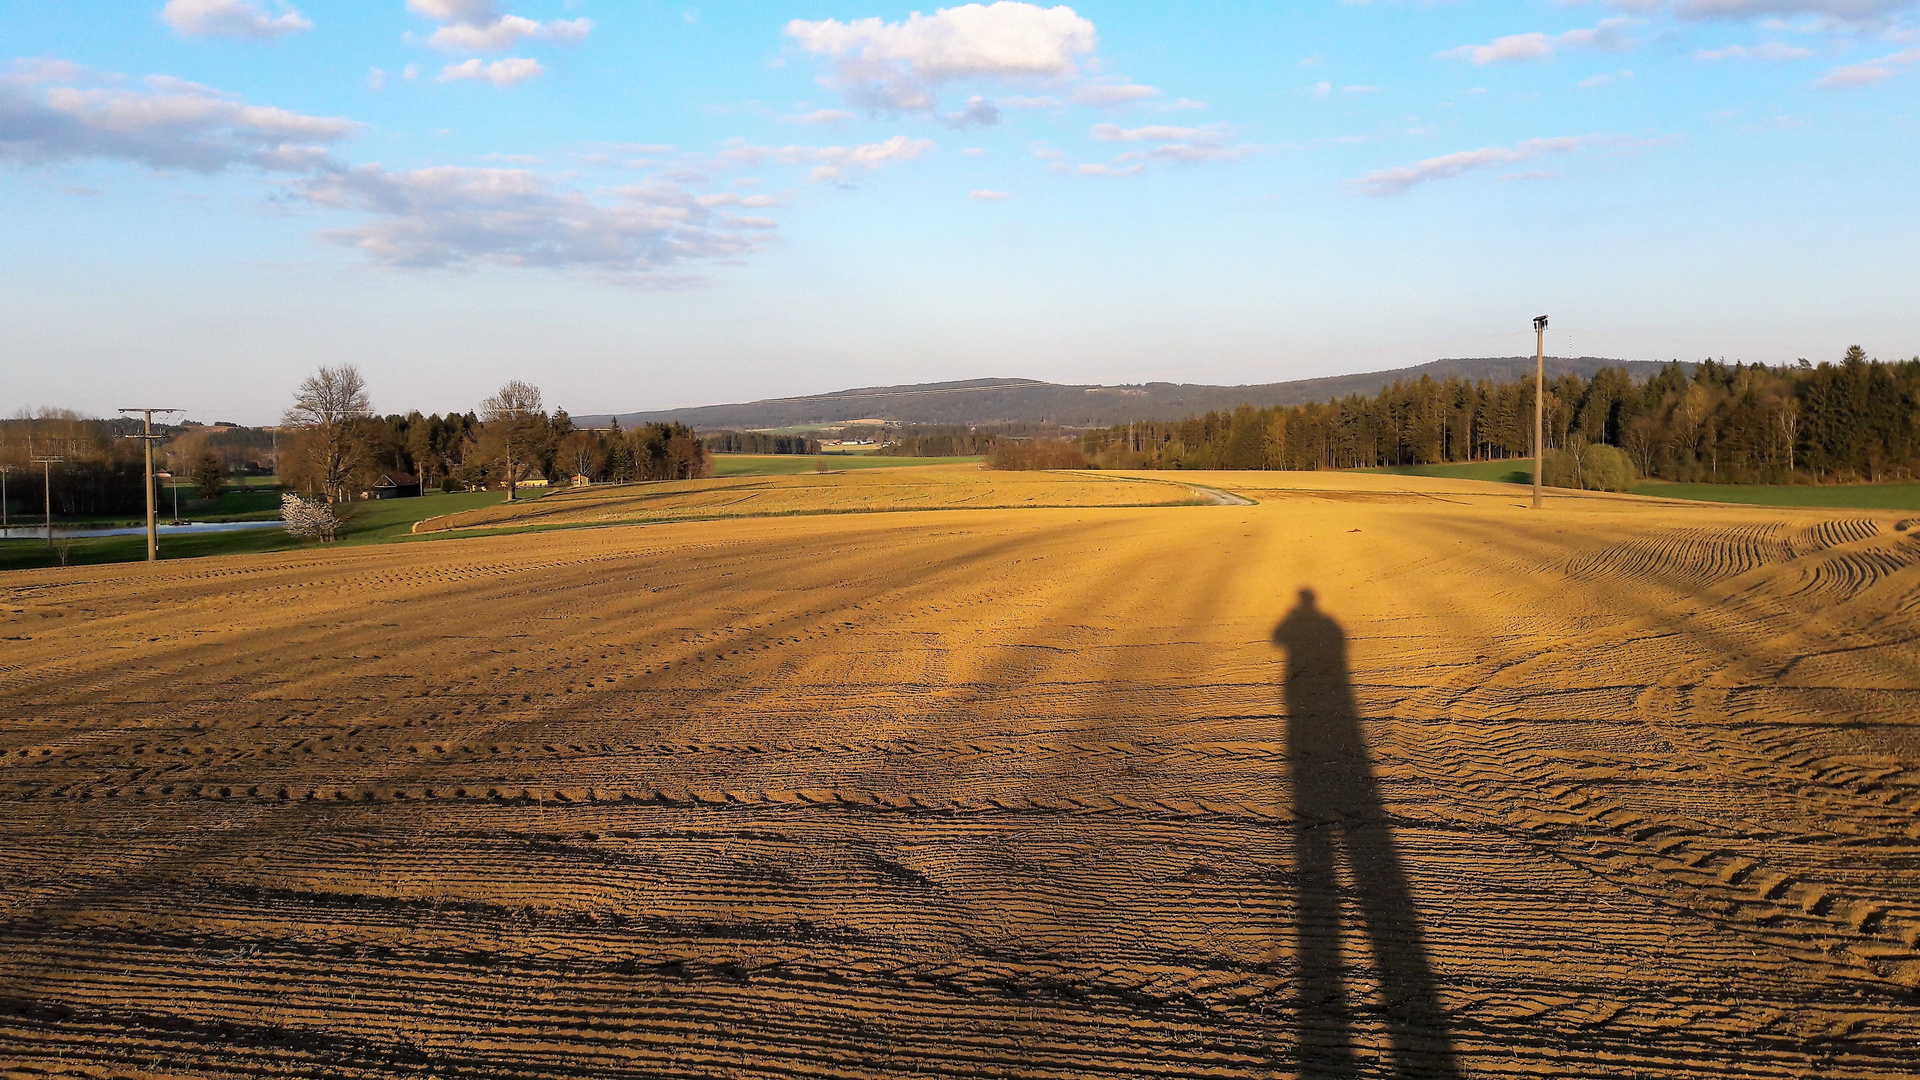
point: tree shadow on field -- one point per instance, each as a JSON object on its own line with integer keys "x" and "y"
{"x": 1337, "y": 809}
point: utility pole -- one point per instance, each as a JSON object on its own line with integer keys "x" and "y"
{"x": 1539, "y": 402}
{"x": 149, "y": 438}
{"x": 46, "y": 475}
{"x": 5, "y": 471}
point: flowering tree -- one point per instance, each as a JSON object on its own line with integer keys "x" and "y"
{"x": 308, "y": 519}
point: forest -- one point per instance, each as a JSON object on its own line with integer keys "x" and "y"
{"x": 1857, "y": 420}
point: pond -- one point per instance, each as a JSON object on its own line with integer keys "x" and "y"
{"x": 39, "y": 532}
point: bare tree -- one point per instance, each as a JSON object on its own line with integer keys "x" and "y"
{"x": 514, "y": 428}
{"x": 328, "y": 414}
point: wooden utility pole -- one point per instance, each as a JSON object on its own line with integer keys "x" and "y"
{"x": 1539, "y": 402}
{"x": 147, "y": 436}
{"x": 46, "y": 475}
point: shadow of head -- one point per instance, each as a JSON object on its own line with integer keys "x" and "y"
{"x": 1316, "y": 646}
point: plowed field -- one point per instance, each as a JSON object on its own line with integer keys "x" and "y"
{"x": 855, "y": 492}
{"x": 1381, "y": 776}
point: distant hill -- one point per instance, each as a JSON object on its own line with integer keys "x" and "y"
{"x": 990, "y": 401}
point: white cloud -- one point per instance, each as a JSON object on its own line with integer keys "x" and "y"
{"x": 1866, "y": 74}
{"x": 1213, "y": 142}
{"x": 376, "y": 79}
{"x": 820, "y": 116}
{"x": 1594, "y": 82}
{"x": 463, "y": 218}
{"x": 1320, "y": 89}
{"x": 830, "y": 162}
{"x": 1102, "y": 93}
{"x": 1110, "y": 170}
{"x": 901, "y": 66}
{"x": 1846, "y": 12}
{"x": 1160, "y": 133}
{"x": 1505, "y": 50}
{"x": 50, "y": 112}
{"x": 978, "y": 112}
{"x": 972, "y": 151}
{"x": 733, "y": 198}
{"x": 478, "y": 26}
{"x": 1609, "y": 36}
{"x": 1529, "y": 174}
{"x": 506, "y": 72}
{"x": 1397, "y": 181}
{"x": 1359, "y": 89}
{"x": 1772, "y": 50}
{"x": 987, "y": 194}
{"x": 1021, "y": 101}
{"x": 231, "y": 18}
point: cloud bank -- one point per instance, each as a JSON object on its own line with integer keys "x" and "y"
{"x": 903, "y": 67}
{"x": 451, "y": 218}
{"x": 231, "y": 18}
{"x": 502, "y": 73}
{"x": 479, "y": 26}
{"x": 51, "y": 111}
{"x": 1609, "y": 36}
{"x": 831, "y": 162}
{"x": 1400, "y": 180}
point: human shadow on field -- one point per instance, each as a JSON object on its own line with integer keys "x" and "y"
{"x": 1337, "y": 809}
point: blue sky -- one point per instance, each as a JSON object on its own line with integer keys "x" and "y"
{"x": 638, "y": 204}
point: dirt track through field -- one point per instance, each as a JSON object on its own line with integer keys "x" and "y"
{"x": 1616, "y": 789}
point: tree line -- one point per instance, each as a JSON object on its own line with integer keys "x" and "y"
{"x": 1855, "y": 420}
{"x": 758, "y": 442}
{"x": 336, "y": 446}
{"x": 332, "y": 446}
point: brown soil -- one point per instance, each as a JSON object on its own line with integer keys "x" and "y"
{"x": 1614, "y": 789}
{"x": 931, "y": 487}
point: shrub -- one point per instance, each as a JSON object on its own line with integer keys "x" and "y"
{"x": 1592, "y": 467}
{"x": 1561, "y": 469}
{"x": 1606, "y": 468}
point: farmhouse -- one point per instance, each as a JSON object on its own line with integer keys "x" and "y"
{"x": 395, "y": 485}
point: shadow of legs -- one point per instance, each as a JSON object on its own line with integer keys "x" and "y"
{"x": 1336, "y": 798}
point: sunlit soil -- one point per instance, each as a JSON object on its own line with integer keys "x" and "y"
{"x": 1612, "y": 789}
{"x": 934, "y": 487}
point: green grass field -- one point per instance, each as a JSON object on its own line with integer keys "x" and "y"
{"x": 1834, "y": 496}
{"x": 789, "y": 464}
{"x": 1512, "y": 471}
{"x": 370, "y": 523}
{"x": 1831, "y": 496}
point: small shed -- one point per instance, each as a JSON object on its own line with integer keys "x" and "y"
{"x": 582, "y": 480}
{"x": 396, "y": 485}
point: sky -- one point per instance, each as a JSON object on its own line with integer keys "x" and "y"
{"x": 634, "y": 204}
